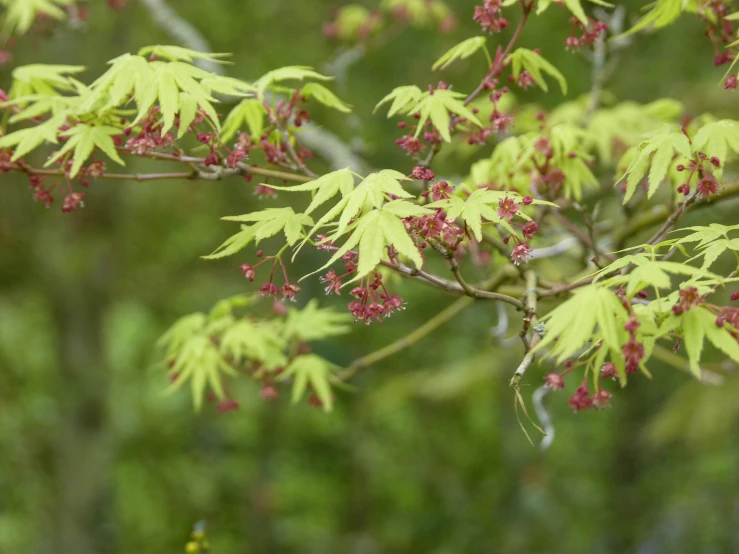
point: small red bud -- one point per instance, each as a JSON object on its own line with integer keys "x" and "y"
{"x": 269, "y": 393}
{"x": 279, "y": 308}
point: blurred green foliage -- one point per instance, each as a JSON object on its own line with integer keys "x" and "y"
{"x": 426, "y": 456}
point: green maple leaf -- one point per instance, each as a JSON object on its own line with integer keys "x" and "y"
{"x": 82, "y": 142}
{"x": 662, "y": 14}
{"x": 535, "y": 64}
{"x": 323, "y": 95}
{"x": 310, "y": 370}
{"x": 575, "y": 6}
{"x": 194, "y": 357}
{"x": 716, "y": 139}
{"x": 370, "y": 193}
{"x": 435, "y": 106}
{"x": 266, "y": 223}
{"x": 374, "y": 232}
{"x": 127, "y": 74}
{"x": 315, "y": 323}
{"x": 248, "y": 340}
{"x": 27, "y": 140}
{"x": 164, "y": 86}
{"x": 21, "y": 14}
{"x": 289, "y": 73}
{"x": 704, "y": 235}
{"x": 42, "y": 79}
{"x": 249, "y": 112}
{"x": 180, "y": 54}
{"x": 627, "y": 122}
{"x": 438, "y": 106}
{"x": 402, "y": 98}
{"x": 461, "y": 51}
{"x": 40, "y": 105}
{"x": 571, "y": 325}
{"x": 325, "y": 187}
{"x": 481, "y": 204}
{"x": 658, "y": 152}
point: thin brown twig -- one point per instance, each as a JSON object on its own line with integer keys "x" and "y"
{"x": 529, "y": 320}
{"x": 497, "y": 67}
{"x": 202, "y": 174}
{"x": 468, "y": 289}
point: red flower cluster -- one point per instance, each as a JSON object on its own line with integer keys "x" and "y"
{"x": 554, "y": 381}
{"x": 288, "y": 290}
{"x": 608, "y": 371}
{"x": 73, "y": 201}
{"x": 436, "y": 227}
{"x": 521, "y": 253}
{"x": 373, "y": 301}
{"x": 411, "y": 144}
{"x": 729, "y": 315}
{"x": 689, "y": 298}
{"x": 490, "y": 16}
{"x": 422, "y": 173}
{"x": 240, "y": 151}
{"x": 590, "y": 33}
{"x": 582, "y": 400}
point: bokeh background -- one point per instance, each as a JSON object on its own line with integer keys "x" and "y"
{"x": 426, "y": 456}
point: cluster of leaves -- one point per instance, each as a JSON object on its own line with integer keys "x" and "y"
{"x": 21, "y": 14}
{"x": 135, "y": 105}
{"x": 641, "y": 299}
{"x": 559, "y": 157}
{"x": 668, "y": 152}
{"x": 203, "y": 349}
{"x": 365, "y": 213}
{"x": 540, "y": 167}
{"x": 434, "y": 106}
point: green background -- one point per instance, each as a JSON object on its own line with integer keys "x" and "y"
{"x": 426, "y": 456}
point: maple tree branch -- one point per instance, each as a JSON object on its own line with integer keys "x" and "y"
{"x": 587, "y": 239}
{"x": 451, "y": 286}
{"x": 529, "y": 321}
{"x": 661, "y": 213}
{"x": 200, "y": 174}
{"x": 468, "y": 289}
{"x": 648, "y": 220}
{"x": 672, "y": 219}
{"x": 326, "y": 144}
{"x": 294, "y": 155}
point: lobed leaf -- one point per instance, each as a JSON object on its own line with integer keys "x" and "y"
{"x": 461, "y": 51}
